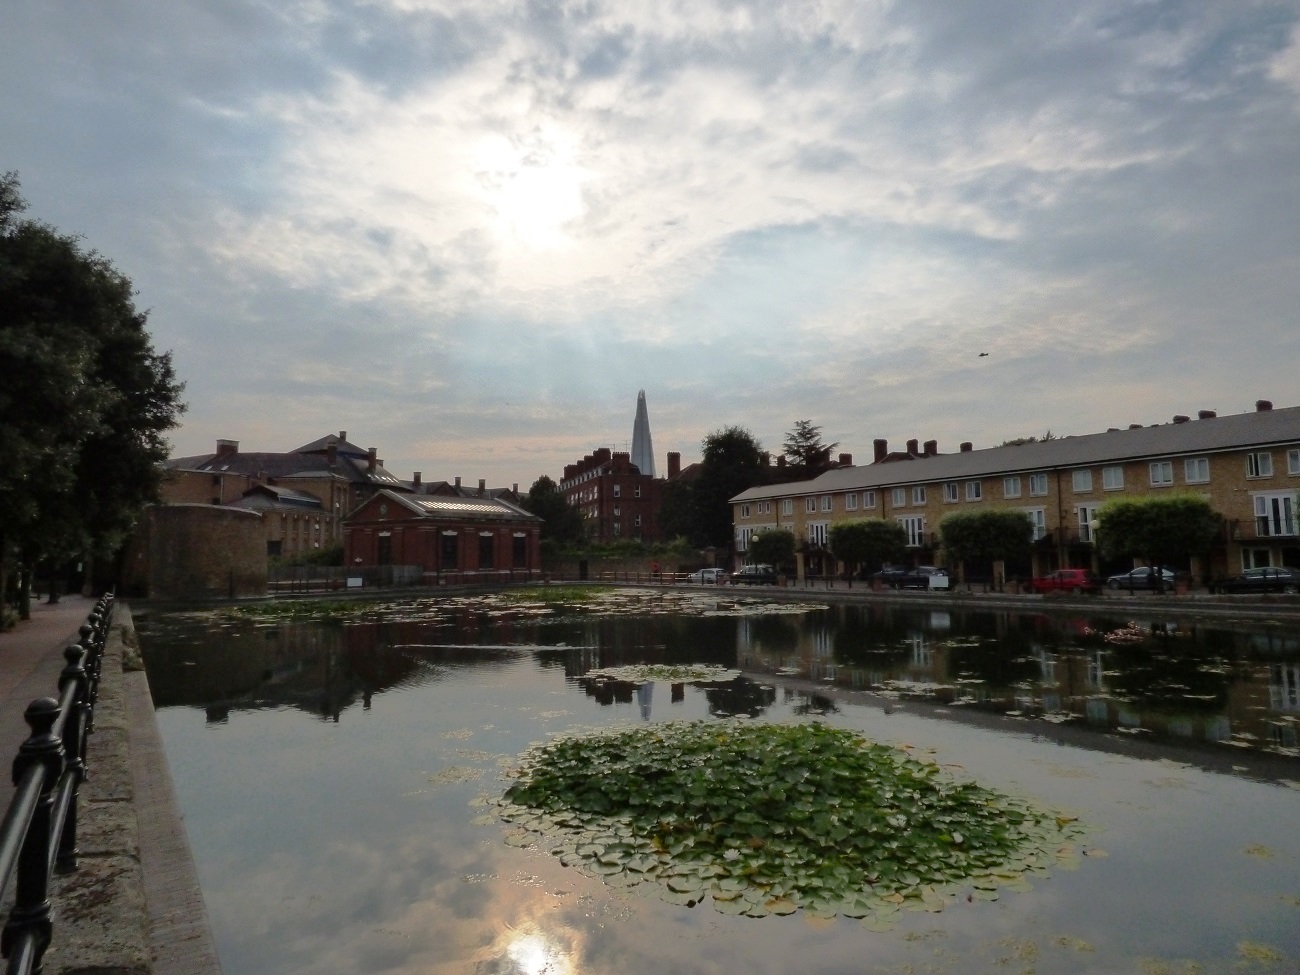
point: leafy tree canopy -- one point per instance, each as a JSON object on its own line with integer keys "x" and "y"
{"x": 1159, "y": 530}
{"x": 869, "y": 542}
{"x": 561, "y": 522}
{"x": 974, "y": 536}
{"x": 732, "y": 462}
{"x": 772, "y": 547}
{"x": 1049, "y": 435}
{"x": 804, "y": 449}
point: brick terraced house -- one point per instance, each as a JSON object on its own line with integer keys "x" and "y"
{"x": 1246, "y": 465}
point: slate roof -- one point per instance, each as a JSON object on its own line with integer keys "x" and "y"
{"x": 475, "y": 508}
{"x": 279, "y": 465}
{"x": 269, "y": 495}
{"x": 1262, "y": 428}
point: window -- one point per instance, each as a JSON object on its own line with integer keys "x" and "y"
{"x": 1112, "y": 478}
{"x": 1087, "y": 515}
{"x": 486, "y": 548}
{"x": 1081, "y": 481}
{"x": 826, "y": 502}
{"x": 898, "y": 497}
{"x": 810, "y": 505}
{"x": 617, "y": 511}
{"x": 915, "y": 526}
{"x": 1275, "y": 514}
{"x": 519, "y": 552}
{"x": 1037, "y": 485}
{"x": 618, "y": 490}
{"x": 950, "y": 491}
{"x": 1259, "y": 465}
{"x": 868, "y": 499}
{"x": 918, "y": 494}
{"x": 1038, "y": 518}
{"x": 974, "y": 490}
{"x": 450, "y": 550}
{"x": 1196, "y": 470}
{"x": 636, "y": 491}
{"x": 787, "y": 506}
{"x": 1293, "y": 461}
{"x": 637, "y": 521}
{"x": 850, "y": 502}
{"x": 1011, "y": 487}
{"x": 817, "y": 534}
{"x": 618, "y": 529}
{"x": 1162, "y": 473}
{"x": 744, "y": 511}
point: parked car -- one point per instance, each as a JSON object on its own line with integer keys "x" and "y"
{"x": 754, "y": 575}
{"x": 1266, "y": 579}
{"x": 1143, "y": 577}
{"x": 920, "y": 577}
{"x": 1066, "y": 580}
{"x": 708, "y": 577}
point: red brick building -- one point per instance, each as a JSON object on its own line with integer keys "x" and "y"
{"x": 614, "y": 498}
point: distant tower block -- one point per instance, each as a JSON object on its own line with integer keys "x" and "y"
{"x": 643, "y": 450}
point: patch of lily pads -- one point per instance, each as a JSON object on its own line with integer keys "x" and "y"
{"x": 763, "y": 819}
{"x": 674, "y": 673}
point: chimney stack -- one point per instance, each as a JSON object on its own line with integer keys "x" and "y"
{"x": 227, "y": 448}
{"x": 931, "y": 448}
{"x": 482, "y": 487}
{"x": 1206, "y": 415}
{"x": 1263, "y": 405}
{"x": 458, "y": 482}
{"x": 880, "y": 450}
{"x": 415, "y": 480}
{"x": 1181, "y": 418}
{"x": 913, "y": 447}
{"x": 967, "y": 447}
{"x": 674, "y": 464}
{"x": 846, "y": 460}
{"x": 372, "y": 458}
{"x": 514, "y": 488}
{"x": 343, "y": 435}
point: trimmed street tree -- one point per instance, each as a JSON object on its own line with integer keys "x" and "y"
{"x": 869, "y": 542}
{"x": 774, "y": 547}
{"x": 986, "y": 536}
{"x": 1159, "y": 530}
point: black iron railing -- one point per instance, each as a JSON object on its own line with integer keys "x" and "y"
{"x": 38, "y": 835}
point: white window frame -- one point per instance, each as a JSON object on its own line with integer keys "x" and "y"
{"x": 1038, "y": 485}
{"x": 918, "y": 494}
{"x": 817, "y": 531}
{"x": 950, "y": 492}
{"x": 1011, "y": 486}
{"x": 1037, "y": 518}
{"x": 744, "y": 511}
{"x": 826, "y": 502}
{"x": 899, "y": 497}
{"x": 1293, "y": 461}
{"x": 810, "y": 505}
{"x": 1112, "y": 478}
{"x": 1161, "y": 472}
{"x": 1259, "y": 464}
{"x": 787, "y": 506}
{"x": 618, "y": 490}
{"x": 636, "y": 490}
{"x": 914, "y": 525}
{"x": 974, "y": 490}
{"x": 868, "y": 499}
{"x": 1275, "y": 514}
{"x": 1081, "y": 480}
{"x": 1196, "y": 470}
{"x": 850, "y": 502}
{"x": 1087, "y": 514}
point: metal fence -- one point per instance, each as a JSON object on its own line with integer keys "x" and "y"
{"x": 39, "y": 833}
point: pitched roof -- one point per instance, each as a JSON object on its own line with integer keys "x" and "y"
{"x": 1262, "y": 428}
{"x": 474, "y": 508}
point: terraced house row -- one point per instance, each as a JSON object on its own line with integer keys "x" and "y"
{"x": 1246, "y": 465}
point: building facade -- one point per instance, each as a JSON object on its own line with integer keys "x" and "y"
{"x": 1247, "y": 466}
{"x": 617, "y": 501}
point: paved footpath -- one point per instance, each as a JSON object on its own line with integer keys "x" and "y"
{"x": 134, "y": 906}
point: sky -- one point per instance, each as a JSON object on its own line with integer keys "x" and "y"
{"x": 467, "y": 232}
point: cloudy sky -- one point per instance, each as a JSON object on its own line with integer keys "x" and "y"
{"x": 468, "y": 231}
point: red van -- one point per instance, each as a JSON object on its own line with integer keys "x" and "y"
{"x": 1066, "y": 580}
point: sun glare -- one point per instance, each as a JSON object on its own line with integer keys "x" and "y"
{"x": 534, "y": 191}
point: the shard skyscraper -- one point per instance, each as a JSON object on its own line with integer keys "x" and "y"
{"x": 643, "y": 450}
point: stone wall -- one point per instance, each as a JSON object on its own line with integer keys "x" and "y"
{"x": 190, "y": 551}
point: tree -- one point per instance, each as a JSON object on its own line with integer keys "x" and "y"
{"x": 85, "y": 402}
{"x": 1158, "y": 530}
{"x": 804, "y": 449}
{"x": 1049, "y": 435}
{"x": 986, "y": 536}
{"x": 869, "y": 542}
{"x": 773, "y": 547}
{"x": 732, "y": 462}
{"x": 561, "y": 522}
{"x": 677, "y": 510}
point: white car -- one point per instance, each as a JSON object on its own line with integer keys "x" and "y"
{"x": 707, "y": 577}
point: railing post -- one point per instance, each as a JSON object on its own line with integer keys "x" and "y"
{"x": 29, "y": 928}
{"x": 75, "y": 727}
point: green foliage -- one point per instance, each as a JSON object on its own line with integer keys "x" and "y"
{"x": 770, "y": 819}
{"x": 869, "y": 542}
{"x": 1160, "y": 530}
{"x": 732, "y": 462}
{"x": 804, "y": 449}
{"x": 991, "y": 535}
{"x": 772, "y": 547}
{"x": 561, "y": 522}
{"x": 677, "y": 510}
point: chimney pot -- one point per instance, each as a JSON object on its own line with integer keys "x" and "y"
{"x": 1181, "y": 418}
{"x": 1206, "y": 415}
{"x": 931, "y": 448}
{"x": 912, "y": 447}
{"x": 343, "y": 435}
{"x": 846, "y": 460}
{"x": 1263, "y": 405}
{"x": 879, "y": 450}
{"x": 967, "y": 447}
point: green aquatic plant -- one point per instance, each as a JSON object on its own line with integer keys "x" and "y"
{"x": 644, "y": 673}
{"x": 562, "y": 595}
{"x": 770, "y": 819}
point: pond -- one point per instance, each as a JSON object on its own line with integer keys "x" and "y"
{"x": 341, "y": 782}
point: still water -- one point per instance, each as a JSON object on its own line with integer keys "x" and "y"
{"x": 338, "y": 779}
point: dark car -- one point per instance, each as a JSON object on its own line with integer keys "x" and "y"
{"x": 1066, "y": 580}
{"x": 754, "y": 575}
{"x": 1143, "y": 577}
{"x": 921, "y": 577}
{"x": 1266, "y": 579}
